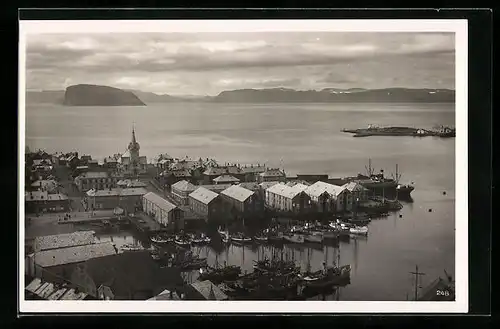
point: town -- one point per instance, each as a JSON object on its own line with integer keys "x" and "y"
{"x": 175, "y": 204}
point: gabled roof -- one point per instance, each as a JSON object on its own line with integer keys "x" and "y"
{"x": 287, "y": 191}
{"x": 184, "y": 185}
{"x": 159, "y": 201}
{"x": 319, "y": 188}
{"x": 220, "y": 170}
{"x": 238, "y": 193}
{"x": 63, "y": 240}
{"x": 353, "y": 186}
{"x": 203, "y": 195}
{"x": 248, "y": 169}
{"x": 272, "y": 172}
{"x": 75, "y": 254}
{"x": 226, "y": 178}
{"x": 208, "y": 290}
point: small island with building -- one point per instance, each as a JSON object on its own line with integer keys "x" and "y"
{"x": 374, "y": 130}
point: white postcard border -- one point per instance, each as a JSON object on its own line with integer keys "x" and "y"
{"x": 459, "y": 27}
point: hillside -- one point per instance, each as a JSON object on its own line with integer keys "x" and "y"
{"x": 94, "y": 95}
{"x": 332, "y": 95}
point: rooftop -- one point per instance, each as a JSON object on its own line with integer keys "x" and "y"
{"x": 226, "y": 178}
{"x": 95, "y": 174}
{"x": 75, "y": 254}
{"x": 203, "y": 195}
{"x": 159, "y": 201}
{"x": 131, "y": 183}
{"x": 319, "y": 188}
{"x": 353, "y": 186}
{"x": 184, "y": 186}
{"x": 272, "y": 172}
{"x": 49, "y": 291}
{"x": 237, "y": 192}
{"x": 63, "y": 240}
{"x": 253, "y": 186}
{"x": 208, "y": 290}
{"x": 117, "y": 192}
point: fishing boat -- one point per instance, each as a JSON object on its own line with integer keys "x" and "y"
{"x": 294, "y": 238}
{"x": 275, "y": 237}
{"x": 240, "y": 238}
{"x": 313, "y": 238}
{"x": 202, "y": 239}
{"x": 327, "y": 277}
{"x": 161, "y": 239}
{"x": 359, "y": 230}
{"x": 260, "y": 238}
{"x": 182, "y": 241}
{"x": 218, "y": 275}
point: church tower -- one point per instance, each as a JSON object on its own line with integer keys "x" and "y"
{"x": 133, "y": 148}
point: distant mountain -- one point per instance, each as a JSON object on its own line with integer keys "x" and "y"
{"x": 45, "y": 97}
{"x": 332, "y": 95}
{"x": 94, "y": 95}
{"x": 274, "y": 95}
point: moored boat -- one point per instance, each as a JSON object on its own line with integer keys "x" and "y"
{"x": 130, "y": 247}
{"x": 328, "y": 277}
{"x": 161, "y": 239}
{"x": 182, "y": 241}
{"x": 260, "y": 238}
{"x": 313, "y": 238}
{"x": 294, "y": 238}
{"x": 240, "y": 238}
{"x": 359, "y": 230}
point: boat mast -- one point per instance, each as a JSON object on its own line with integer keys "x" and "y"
{"x": 369, "y": 169}
{"x": 417, "y": 274}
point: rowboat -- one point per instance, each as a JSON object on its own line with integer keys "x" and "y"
{"x": 240, "y": 238}
{"x": 294, "y": 238}
{"x": 260, "y": 238}
{"x": 361, "y": 230}
{"x": 161, "y": 240}
{"x": 183, "y": 242}
{"x": 313, "y": 238}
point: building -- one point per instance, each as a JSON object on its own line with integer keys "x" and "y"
{"x": 358, "y": 191}
{"x": 42, "y": 201}
{"x": 272, "y": 174}
{"x": 97, "y": 180}
{"x": 42, "y": 290}
{"x": 162, "y": 211}
{"x": 125, "y": 276}
{"x": 329, "y": 198}
{"x": 56, "y": 264}
{"x": 131, "y": 164}
{"x": 206, "y": 203}
{"x": 181, "y": 190}
{"x": 239, "y": 200}
{"x": 217, "y": 188}
{"x": 48, "y": 185}
{"x": 283, "y": 197}
{"x": 204, "y": 290}
{"x": 225, "y": 179}
{"x": 111, "y": 162}
{"x": 130, "y": 183}
{"x": 129, "y": 199}
{"x": 215, "y": 171}
{"x": 50, "y": 242}
{"x": 251, "y": 172}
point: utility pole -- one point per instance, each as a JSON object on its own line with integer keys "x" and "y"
{"x": 417, "y": 274}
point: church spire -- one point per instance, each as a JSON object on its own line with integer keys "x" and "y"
{"x": 133, "y": 134}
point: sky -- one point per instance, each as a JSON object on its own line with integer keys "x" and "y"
{"x": 208, "y": 63}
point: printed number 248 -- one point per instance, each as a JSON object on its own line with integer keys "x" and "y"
{"x": 442, "y": 293}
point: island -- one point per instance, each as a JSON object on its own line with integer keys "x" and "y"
{"x": 95, "y": 95}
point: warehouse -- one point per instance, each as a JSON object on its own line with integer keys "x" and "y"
{"x": 283, "y": 197}
{"x": 162, "y": 211}
{"x": 241, "y": 200}
{"x": 206, "y": 203}
{"x": 329, "y": 198}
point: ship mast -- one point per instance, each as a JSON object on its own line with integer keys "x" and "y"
{"x": 369, "y": 168}
{"x": 417, "y": 274}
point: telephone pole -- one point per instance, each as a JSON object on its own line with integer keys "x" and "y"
{"x": 417, "y": 274}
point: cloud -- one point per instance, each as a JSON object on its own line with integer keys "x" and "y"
{"x": 210, "y": 61}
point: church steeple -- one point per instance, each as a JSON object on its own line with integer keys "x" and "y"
{"x": 133, "y": 135}
{"x": 133, "y": 146}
